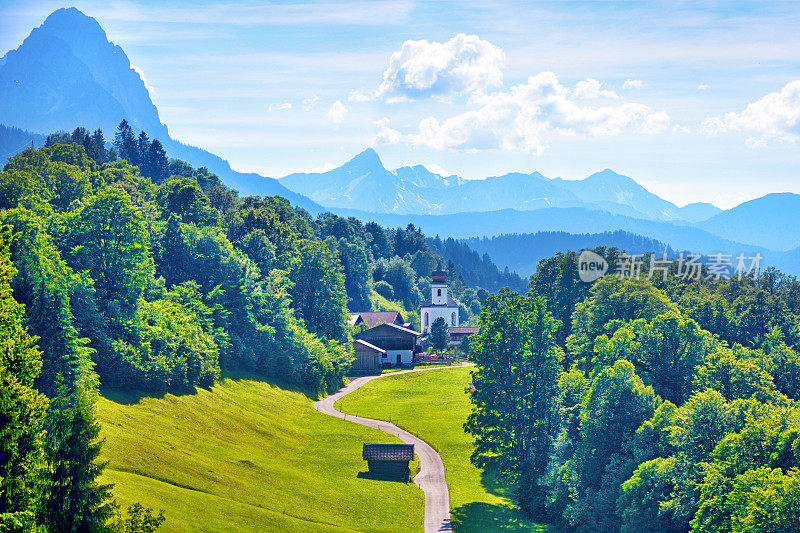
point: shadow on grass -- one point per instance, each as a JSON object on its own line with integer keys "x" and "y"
{"x": 480, "y": 517}
{"x": 494, "y": 483}
{"x": 125, "y": 396}
{"x": 379, "y": 477}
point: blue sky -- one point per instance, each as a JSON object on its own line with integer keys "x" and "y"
{"x": 696, "y": 101}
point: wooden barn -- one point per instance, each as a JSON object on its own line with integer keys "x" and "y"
{"x": 398, "y": 342}
{"x": 389, "y": 460}
{"x": 367, "y": 356}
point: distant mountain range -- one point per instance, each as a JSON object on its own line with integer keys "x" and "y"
{"x": 537, "y": 203}
{"x": 67, "y": 74}
{"x": 364, "y": 183}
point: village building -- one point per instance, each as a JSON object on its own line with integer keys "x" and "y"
{"x": 397, "y": 343}
{"x": 439, "y": 304}
{"x": 457, "y": 334}
{"x": 371, "y": 319}
{"x": 389, "y": 460}
{"x": 367, "y": 356}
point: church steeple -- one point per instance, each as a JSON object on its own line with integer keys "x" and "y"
{"x": 439, "y": 286}
{"x": 439, "y": 275}
{"x": 439, "y": 305}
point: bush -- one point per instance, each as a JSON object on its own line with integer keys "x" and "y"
{"x": 384, "y": 289}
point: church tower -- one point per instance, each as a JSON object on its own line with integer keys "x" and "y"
{"x": 439, "y": 304}
{"x": 439, "y": 286}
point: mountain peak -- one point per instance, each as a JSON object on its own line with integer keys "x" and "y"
{"x": 367, "y": 159}
{"x": 67, "y": 73}
{"x": 71, "y": 22}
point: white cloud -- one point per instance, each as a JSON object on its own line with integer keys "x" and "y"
{"x": 144, "y": 80}
{"x": 632, "y": 84}
{"x": 436, "y": 169}
{"x": 423, "y": 69}
{"x": 775, "y": 116}
{"x": 310, "y": 103}
{"x": 386, "y": 135}
{"x": 359, "y": 97}
{"x": 702, "y": 87}
{"x": 324, "y": 168}
{"x": 337, "y": 112}
{"x": 524, "y": 117}
{"x": 590, "y": 88}
{"x": 280, "y": 107}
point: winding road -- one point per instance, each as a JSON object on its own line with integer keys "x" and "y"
{"x": 431, "y": 478}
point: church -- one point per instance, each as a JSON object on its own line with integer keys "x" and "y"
{"x": 439, "y": 304}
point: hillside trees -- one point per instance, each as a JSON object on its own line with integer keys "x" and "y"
{"x": 515, "y": 391}
{"x": 318, "y": 290}
{"x": 674, "y": 406}
{"x": 22, "y": 407}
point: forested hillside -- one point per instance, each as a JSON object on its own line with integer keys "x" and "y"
{"x": 652, "y": 403}
{"x": 522, "y": 252}
{"x": 158, "y": 278}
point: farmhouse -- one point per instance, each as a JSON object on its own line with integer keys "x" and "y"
{"x": 389, "y": 460}
{"x": 439, "y": 304}
{"x": 396, "y": 342}
{"x": 372, "y": 319}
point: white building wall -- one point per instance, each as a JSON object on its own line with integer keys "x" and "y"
{"x": 439, "y": 293}
{"x": 448, "y": 313}
{"x": 406, "y": 356}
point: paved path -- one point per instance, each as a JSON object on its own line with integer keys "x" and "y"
{"x": 431, "y": 478}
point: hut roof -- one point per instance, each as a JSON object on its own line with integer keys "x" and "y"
{"x": 370, "y": 346}
{"x": 388, "y": 452}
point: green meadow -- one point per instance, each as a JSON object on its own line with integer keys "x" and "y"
{"x": 435, "y": 405}
{"x": 246, "y": 455}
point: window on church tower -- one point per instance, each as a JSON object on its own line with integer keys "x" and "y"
{"x": 438, "y": 292}
{"x": 453, "y": 319}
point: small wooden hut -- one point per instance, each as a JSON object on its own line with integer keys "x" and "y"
{"x": 389, "y": 460}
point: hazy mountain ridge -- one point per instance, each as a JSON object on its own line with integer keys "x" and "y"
{"x": 504, "y": 249}
{"x": 14, "y": 140}
{"x": 364, "y": 183}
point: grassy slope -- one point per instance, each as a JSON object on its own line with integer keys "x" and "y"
{"x": 247, "y": 455}
{"x": 435, "y": 406}
{"x": 383, "y": 304}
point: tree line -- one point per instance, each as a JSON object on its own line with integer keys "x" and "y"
{"x": 637, "y": 405}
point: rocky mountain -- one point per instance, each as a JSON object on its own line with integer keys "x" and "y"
{"x": 363, "y": 183}
{"x": 67, "y": 74}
